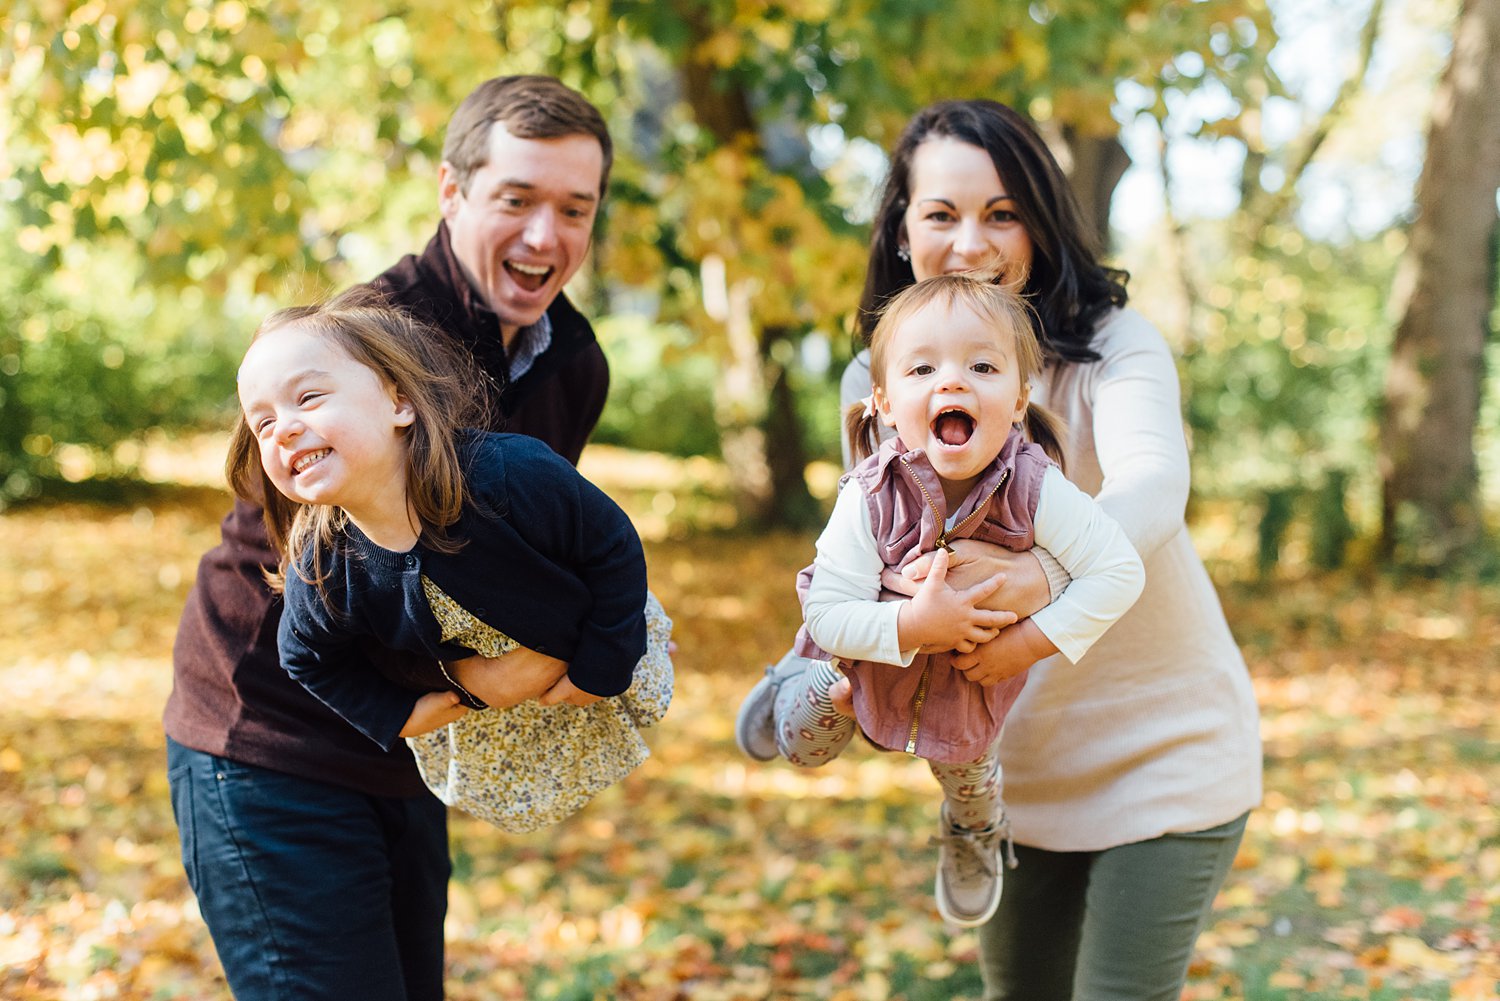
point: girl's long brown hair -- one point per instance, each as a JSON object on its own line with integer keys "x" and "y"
{"x": 422, "y": 364}
{"x": 1000, "y": 305}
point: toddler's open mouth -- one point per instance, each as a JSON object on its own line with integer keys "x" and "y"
{"x": 953, "y": 427}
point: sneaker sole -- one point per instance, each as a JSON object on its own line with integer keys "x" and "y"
{"x": 760, "y": 703}
{"x": 963, "y": 922}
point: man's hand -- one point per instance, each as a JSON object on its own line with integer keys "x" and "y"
{"x": 943, "y": 617}
{"x": 432, "y": 711}
{"x": 506, "y": 681}
{"x": 1023, "y": 589}
{"x": 566, "y": 691}
{"x": 1014, "y": 650}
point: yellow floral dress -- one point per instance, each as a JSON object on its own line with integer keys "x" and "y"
{"x": 530, "y": 765}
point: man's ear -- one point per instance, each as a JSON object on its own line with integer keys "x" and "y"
{"x": 449, "y": 190}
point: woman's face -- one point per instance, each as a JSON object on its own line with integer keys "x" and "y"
{"x": 959, "y": 216}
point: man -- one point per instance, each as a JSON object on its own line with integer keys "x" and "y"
{"x": 319, "y": 860}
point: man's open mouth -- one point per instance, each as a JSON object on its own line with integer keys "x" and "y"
{"x": 530, "y": 277}
{"x": 953, "y": 427}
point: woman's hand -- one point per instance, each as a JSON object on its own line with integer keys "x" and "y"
{"x": 1023, "y": 589}
{"x": 432, "y": 711}
{"x": 944, "y": 617}
{"x": 1013, "y": 651}
{"x": 506, "y": 681}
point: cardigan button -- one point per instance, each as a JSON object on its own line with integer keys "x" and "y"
{"x": 411, "y": 561}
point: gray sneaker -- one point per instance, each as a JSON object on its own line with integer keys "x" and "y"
{"x": 755, "y": 726}
{"x": 969, "y": 874}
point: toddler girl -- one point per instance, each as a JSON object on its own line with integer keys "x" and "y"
{"x": 400, "y": 529}
{"x": 952, "y": 360}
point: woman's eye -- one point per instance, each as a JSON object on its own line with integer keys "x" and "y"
{"x": 940, "y": 216}
{"x": 1003, "y": 215}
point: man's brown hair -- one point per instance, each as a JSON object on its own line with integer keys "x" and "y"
{"x": 530, "y": 107}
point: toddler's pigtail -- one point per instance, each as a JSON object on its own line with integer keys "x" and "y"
{"x": 862, "y": 430}
{"x": 1046, "y": 429}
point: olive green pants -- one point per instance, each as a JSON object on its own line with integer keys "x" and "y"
{"x": 1113, "y": 925}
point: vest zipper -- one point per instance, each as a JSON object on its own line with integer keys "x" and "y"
{"x": 943, "y": 535}
{"x": 942, "y": 540}
{"x": 916, "y": 708}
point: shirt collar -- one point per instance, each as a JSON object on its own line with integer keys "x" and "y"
{"x": 530, "y": 343}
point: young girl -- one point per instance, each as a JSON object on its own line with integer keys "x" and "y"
{"x": 953, "y": 358}
{"x": 401, "y": 530}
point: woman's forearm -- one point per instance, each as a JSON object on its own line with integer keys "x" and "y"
{"x": 1025, "y": 591}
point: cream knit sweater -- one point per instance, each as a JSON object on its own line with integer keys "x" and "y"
{"x": 1155, "y": 729}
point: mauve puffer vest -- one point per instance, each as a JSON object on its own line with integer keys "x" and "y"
{"x": 930, "y": 708}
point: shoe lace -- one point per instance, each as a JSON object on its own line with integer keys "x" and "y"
{"x": 974, "y": 852}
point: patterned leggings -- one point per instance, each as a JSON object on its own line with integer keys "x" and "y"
{"x": 810, "y": 732}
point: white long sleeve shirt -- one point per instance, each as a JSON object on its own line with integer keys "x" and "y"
{"x": 846, "y": 617}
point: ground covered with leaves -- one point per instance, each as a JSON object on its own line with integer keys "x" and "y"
{"x": 1371, "y": 871}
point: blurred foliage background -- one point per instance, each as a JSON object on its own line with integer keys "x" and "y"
{"x": 175, "y": 169}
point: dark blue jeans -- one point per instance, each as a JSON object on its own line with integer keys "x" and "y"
{"x": 313, "y": 891}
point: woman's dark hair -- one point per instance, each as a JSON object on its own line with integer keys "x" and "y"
{"x": 419, "y": 362}
{"x": 1068, "y": 287}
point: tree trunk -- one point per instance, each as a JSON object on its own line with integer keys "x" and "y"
{"x": 761, "y": 439}
{"x": 786, "y": 456}
{"x": 1098, "y": 163}
{"x": 1430, "y": 503}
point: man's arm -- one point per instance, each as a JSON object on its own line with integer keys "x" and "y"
{"x": 506, "y": 681}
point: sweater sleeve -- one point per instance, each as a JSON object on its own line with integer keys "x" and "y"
{"x": 575, "y": 524}
{"x": 1107, "y": 574}
{"x": 844, "y": 613}
{"x": 324, "y": 658}
{"x": 1137, "y": 427}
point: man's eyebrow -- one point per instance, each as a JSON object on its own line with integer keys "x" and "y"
{"x": 514, "y": 182}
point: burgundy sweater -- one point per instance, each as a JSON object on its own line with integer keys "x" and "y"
{"x": 230, "y": 696}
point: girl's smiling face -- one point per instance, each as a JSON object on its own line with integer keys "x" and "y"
{"x": 952, "y": 387}
{"x": 328, "y": 427}
{"x": 958, "y": 215}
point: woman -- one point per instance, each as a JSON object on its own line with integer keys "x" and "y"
{"x": 1129, "y": 776}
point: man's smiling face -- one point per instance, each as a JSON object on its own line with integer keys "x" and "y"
{"x": 523, "y": 226}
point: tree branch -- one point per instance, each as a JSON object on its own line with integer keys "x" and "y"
{"x": 1270, "y": 206}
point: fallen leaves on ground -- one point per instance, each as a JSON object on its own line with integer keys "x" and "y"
{"x": 1372, "y": 870}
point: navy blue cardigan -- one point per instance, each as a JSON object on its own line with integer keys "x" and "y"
{"x": 548, "y": 559}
